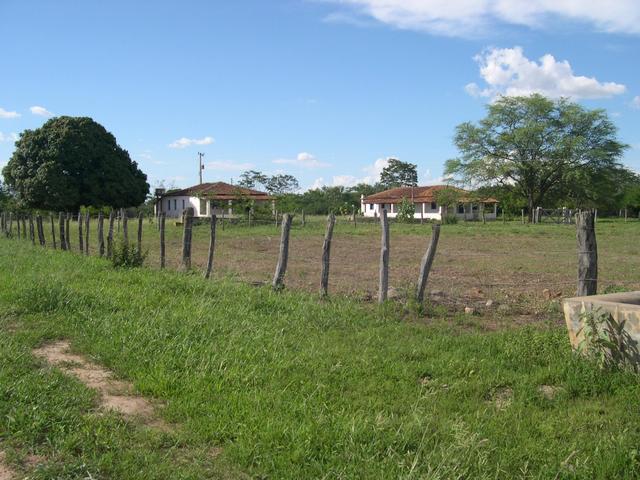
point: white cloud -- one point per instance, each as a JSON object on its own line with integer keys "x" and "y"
{"x": 506, "y": 71}
{"x": 635, "y": 103}
{"x": 6, "y": 114}
{"x": 473, "y": 17}
{"x": 40, "y": 111}
{"x": 185, "y": 142}
{"x": 304, "y": 160}
{"x": 317, "y": 183}
{"x": 9, "y": 137}
{"x": 228, "y": 166}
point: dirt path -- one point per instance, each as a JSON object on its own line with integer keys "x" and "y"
{"x": 115, "y": 394}
{"x": 5, "y": 472}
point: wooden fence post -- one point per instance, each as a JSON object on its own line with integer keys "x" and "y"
{"x": 140, "y": 219}
{"x": 40, "y": 230}
{"x": 125, "y": 227}
{"x": 163, "y": 216}
{"x": 187, "y": 234}
{"x": 427, "y": 261}
{"x": 212, "y": 246}
{"x": 63, "y": 237}
{"x": 384, "y": 257}
{"x": 68, "y": 230}
{"x": 53, "y": 232}
{"x": 587, "y": 254}
{"x": 355, "y": 219}
{"x": 222, "y": 220}
{"x": 112, "y": 219}
{"x": 326, "y": 255}
{"x": 86, "y": 232}
{"x": 522, "y": 214}
{"x": 119, "y": 218}
{"x": 32, "y": 233}
{"x": 18, "y": 225}
{"x": 24, "y": 227}
{"x": 625, "y": 215}
{"x": 10, "y": 224}
{"x": 283, "y": 257}
{"x": 100, "y": 234}
{"x": 80, "y": 238}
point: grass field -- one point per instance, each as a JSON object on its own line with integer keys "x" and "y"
{"x": 268, "y": 385}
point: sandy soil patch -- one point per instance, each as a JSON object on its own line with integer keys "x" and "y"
{"x": 115, "y": 394}
{"x": 5, "y": 472}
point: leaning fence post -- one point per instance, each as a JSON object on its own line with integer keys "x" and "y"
{"x": 326, "y": 255}
{"x": 427, "y": 261}
{"x": 140, "y": 219}
{"x": 587, "y": 254}
{"x": 53, "y": 232}
{"x": 163, "y": 216}
{"x": 187, "y": 234}
{"x": 112, "y": 219}
{"x": 100, "y": 234}
{"x": 283, "y": 257}
{"x": 63, "y": 237}
{"x": 80, "y": 239}
{"x": 212, "y": 246}
{"x": 384, "y": 257}
{"x": 40, "y": 230}
{"x": 86, "y": 232}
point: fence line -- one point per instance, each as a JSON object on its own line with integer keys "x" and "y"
{"x": 587, "y": 274}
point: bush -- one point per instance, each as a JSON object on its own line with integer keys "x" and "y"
{"x": 450, "y": 220}
{"x": 406, "y": 210}
{"x": 127, "y": 256}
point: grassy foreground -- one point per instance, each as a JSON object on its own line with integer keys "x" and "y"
{"x": 291, "y": 387}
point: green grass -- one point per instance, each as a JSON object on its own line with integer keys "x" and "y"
{"x": 292, "y": 387}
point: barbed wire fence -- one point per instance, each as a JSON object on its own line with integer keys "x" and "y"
{"x": 14, "y": 226}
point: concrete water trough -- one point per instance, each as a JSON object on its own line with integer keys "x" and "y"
{"x": 623, "y": 308}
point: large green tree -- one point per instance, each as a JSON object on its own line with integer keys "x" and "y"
{"x": 279, "y": 184}
{"x": 539, "y": 147}
{"x": 70, "y": 162}
{"x": 399, "y": 174}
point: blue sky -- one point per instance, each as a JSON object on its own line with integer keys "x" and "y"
{"x": 323, "y": 89}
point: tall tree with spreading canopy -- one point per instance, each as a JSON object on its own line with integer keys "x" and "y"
{"x": 70, "y": 162}
{"x": 537, "y": 146}
{"x": 279, "y": 184}
{"x": 399, "y": 174}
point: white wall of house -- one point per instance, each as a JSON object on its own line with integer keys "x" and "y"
{"x": 432, "y": 211}
{"x": 174, "y": 206}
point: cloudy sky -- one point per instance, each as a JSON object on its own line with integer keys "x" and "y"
{"x": 326, "y": 90}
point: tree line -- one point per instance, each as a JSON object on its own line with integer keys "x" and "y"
{"x": 527, "y": 151}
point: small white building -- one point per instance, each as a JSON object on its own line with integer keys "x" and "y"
{"x": 208, "y": 198}
{"x": 426, "y": 204}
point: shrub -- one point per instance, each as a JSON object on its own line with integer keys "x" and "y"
{"x": 406, "y": 210}
{"x": 127, "y": 256}
{"x": 450, "y": 220}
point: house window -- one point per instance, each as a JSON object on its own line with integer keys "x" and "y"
{"x": 433, "y": 205}
{"x": 418, "y": 208}
{"x": 382, "y": 206}
{"x": 461, "y": 208}
{"x": 175, "y": 204}
{"x": 168, "y": 205}
{"x": 183, "y": 203}
{"x": 371, "y": 206}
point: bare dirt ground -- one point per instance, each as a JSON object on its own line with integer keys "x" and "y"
{"x": 114, "y": 394}
{"x": 5, "y": 472}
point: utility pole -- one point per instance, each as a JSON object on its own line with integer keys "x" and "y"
{"x": 200, "y": 155}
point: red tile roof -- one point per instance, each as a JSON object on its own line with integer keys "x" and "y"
{"x": 416, "y": 195}
{"x": 219, "y": 191}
